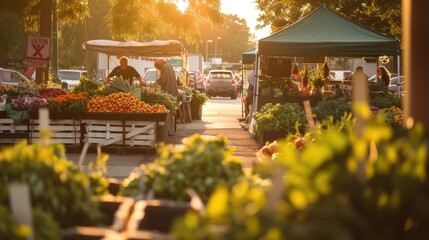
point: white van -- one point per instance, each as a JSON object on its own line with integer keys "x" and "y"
{"x": 70, "y": 78}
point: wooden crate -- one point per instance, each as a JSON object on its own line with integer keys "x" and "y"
{"x": 121, "y": 133}
{"x": 65, "y": 131}
{"x": 11, "y": 133}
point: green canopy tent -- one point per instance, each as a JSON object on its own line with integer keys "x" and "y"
{"x": 249, "y": 57}
{"x": 326, "y": 33}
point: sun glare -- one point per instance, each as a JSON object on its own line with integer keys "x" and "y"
{"x": 182, "y": 5}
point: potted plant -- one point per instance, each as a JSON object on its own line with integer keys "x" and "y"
{"x": 276, "y": 121}
{"x": 197, "y": 102}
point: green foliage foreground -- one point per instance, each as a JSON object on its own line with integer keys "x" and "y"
{"x": 322, "y": 195}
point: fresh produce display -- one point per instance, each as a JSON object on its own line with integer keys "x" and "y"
{"x": 91, "y": 86}
{"x": 57, "y": 186}
{"x": 122, "y": 102}
{"x": 201, "y": 163}
{"x": 69, "y": 103}
{"x": 117, "y": 84}
{"x": 276, "y": 118}
{"x": 165, "y": 99}
{"x": 47, "y": 93}
{"x": 324, "y": 195}
{"x": 332, "y": 108}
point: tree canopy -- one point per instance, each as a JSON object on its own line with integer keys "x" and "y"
{"x": 380, "y": 15}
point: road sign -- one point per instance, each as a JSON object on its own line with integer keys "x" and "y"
{"x": 38, "y": 51}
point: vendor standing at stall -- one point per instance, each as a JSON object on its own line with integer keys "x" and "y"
{"x": 167, "y": 78}
{"x": 128, "y": 73}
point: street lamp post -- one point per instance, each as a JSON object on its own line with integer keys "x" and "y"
{"x": 207, "y": 49}
{"x": 215, "y": 53}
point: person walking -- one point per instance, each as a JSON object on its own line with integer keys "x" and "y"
{"x": 167, "y": 78}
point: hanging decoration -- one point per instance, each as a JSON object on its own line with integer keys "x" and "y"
{"x": 384, "y": 59}
{"x": 295, "y": 71}
{"x": 325, "y": 70}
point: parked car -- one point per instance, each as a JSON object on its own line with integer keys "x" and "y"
{"x": 151, "y": 75}
{"x": 11, "y": 77}
{"x": 221, "y": 83}
{"x": 373, "y": 78}
{"x": 70, "y": 78}
{"x": 397, "y": 84}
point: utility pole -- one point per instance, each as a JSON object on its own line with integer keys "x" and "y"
{"x": 55, "y": 40}
{"x": 42, "y": 74}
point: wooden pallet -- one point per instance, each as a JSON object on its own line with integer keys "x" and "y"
{"x": 12, "y": 133}
{"x": 65, "y": 131}
{"x": 120, "y": 133}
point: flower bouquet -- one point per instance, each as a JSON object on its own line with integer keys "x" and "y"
{"x": 36, "y": 103}
{"x": 20, "y": 104}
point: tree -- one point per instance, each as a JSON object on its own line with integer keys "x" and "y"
{"x": 12, "y": 34}
{"x": 379, "y": 15}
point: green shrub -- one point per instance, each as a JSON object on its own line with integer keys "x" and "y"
{"x": 200, "y": 163}
{"x": 386, "y": 101}
{"x": 325, "y": 196}
{"x": 57, "y": 186}
{"x": 44, "y": 226}
{"x": 335, "y": 108}
{"x": 276, "y": 118}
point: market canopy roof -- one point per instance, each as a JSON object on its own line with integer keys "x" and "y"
{"x": 249, "y": 57}
{"x": 156, "y": 48}
{"x": 325, "y": 33}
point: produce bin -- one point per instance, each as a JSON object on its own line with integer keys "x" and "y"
{"x": 124, "y": 129}
{"x": 10, "y": 132}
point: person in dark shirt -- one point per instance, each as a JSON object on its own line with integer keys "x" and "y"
{"x": 128, "y": 73}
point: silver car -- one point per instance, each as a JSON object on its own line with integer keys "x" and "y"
{"x": 11, "y": 78}
{"x": 70, "y": 78}
{"x": 221, "y": 83}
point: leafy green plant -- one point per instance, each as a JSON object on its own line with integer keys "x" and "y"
{"x": 91, "y": 86}
{"x": 386, "y": 101}
{"x": 198, "y": 98}
{"x": 165, "y": 99}
{"x": 274, "y": 82}
{"x": 317, "y": 80}
{"x": 98, "y": 182}
{"x": 57, "y": 186}
{"x": 325, "y": 195}
{"x": 377, "y": 87}
{"x": 201, "y": 163}
{"x": 332, "y": 108}
{"x": 44, "y": 226}
{"x": 118, "y": 84}
{"x": 10, "y": 228}
{"x": 275, "y": 118}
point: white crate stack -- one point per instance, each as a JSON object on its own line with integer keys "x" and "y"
{"x": 112, "y": 132}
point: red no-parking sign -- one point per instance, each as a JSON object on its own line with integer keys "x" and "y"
{"x": 38, "y": 51}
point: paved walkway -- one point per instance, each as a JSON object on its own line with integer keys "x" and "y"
{"x": 220, "y": 117}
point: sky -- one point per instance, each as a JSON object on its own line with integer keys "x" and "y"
{"x": 245, "y": 9}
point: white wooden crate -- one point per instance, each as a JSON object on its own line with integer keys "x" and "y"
{"x": 111, "y": 132}
{"x": 7, "y": 126}
{"x": 65, "y": 131}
